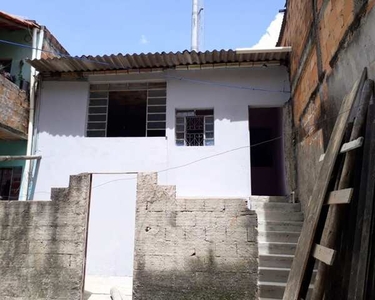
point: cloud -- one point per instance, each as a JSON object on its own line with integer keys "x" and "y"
{"x": 144, "y": 40}
{"x": 269, "y": 39}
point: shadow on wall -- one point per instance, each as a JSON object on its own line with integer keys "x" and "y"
{"x": 193, "y": 248}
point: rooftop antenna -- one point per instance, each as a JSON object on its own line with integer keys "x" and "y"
{"x": 196, "y": 25}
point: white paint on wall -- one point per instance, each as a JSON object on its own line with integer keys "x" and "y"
{"x": 112, "y": 212}
{"x": 222, "y": 170}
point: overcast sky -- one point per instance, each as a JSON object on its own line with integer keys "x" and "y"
{"x": 100, "y": 27}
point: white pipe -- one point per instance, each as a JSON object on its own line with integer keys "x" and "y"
{"x": 40, "y": 44}
{"x": 195, "y": 27}
{"x": 270, "y": 50}
{"x": 37, "y": 43}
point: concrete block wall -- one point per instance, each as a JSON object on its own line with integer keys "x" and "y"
{"x": 43, "y": 244}
{"x": 192, "y": 248}
{"x": 331, "y": 44}
{"x": 14, "y": 108}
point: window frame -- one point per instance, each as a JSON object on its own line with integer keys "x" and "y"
{"x": 207, "y": 142}
{"x": 15, "y": 169}
{"x": 148, "y": 86}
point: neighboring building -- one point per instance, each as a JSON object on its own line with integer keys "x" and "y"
{"x": 190, "y": 116}
{"x": 18, "y": 38}
{"x": 332, "y": 42}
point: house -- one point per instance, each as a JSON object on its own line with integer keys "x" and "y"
{"x": 198, "y": 136}
{"x": 192, "y": 117}
{"x": 19, "y": 40}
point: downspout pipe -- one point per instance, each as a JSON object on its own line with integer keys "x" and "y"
{"x": 37, "y": 44}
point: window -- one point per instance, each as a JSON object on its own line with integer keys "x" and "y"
{"x": 127, "y": 110}
{"x": 10, "y": 182}
{"x": 195, "y": 127}
{"x": 5, "y": 65}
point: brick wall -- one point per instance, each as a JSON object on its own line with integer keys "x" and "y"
{"x": 332, "y": 41}
{"x": 14, "y": 109}
{"x": 43, "y": 244}
{"x": 192, "y": 249}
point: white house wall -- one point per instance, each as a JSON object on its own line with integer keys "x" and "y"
{"x": 227, "y": 174}
{"x": 65, "y": 150}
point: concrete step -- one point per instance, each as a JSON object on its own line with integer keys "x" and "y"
{"x": 277, "y": 248}
{"x": 264, "y": 215}
{"x": 283, "y": 207}
{"x": 289, "y": 226}
{"x": 280, "y": 199}
{"x": 274, "y": 290}
{"x": 275, "y": 260}
{"x": 278, "y": 236}
{"x": 276, "y": 274}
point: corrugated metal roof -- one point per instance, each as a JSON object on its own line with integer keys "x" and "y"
{"x": 158, "y": 60}
{"x": 13, "y": 21}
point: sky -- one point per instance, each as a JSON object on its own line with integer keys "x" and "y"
{"x": 98, "y": 27}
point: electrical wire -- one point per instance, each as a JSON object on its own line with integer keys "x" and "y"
{"x": 52, "y": 52}
{"x": 189, "y": 80}
{"x": 216, "y": 154}
{"x": 231, "y": 150}
{"x": 231, "y": 86}
{"x": 205, "y": 82}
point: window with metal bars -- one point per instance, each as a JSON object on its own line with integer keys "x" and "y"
{"x": 10, "y": 182}
{"x": 195, "y": 127}
{"x": 127, "y": 110}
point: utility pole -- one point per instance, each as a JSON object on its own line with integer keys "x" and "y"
{"x": 195, "y": 20}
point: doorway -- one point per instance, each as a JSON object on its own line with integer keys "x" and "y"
{"x": 110, "y": 245}
{"x": 266, "y": 151}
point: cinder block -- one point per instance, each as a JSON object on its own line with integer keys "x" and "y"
{"x": 211, "y": 205}
{"x": 42, "y": 245}
{"x": 226, "y": 249}
{"x": 185, "y": 219}
{"x": 194, "y": 205}
{"x": 200, "y": 237}
{"x": 215, "y": 233}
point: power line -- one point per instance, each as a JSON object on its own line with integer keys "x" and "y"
{"x": 231, "y": 86}
{"x": 205, "y": 82}
{"x": 189, "y": 80}
{"x": 231, "y": 150}
{"x": 51, "y": 52}
{"x": 210, "y": 156}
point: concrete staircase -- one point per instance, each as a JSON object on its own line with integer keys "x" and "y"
{"x": 279, "y": 227}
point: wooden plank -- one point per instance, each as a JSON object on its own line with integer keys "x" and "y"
{"x": 336, "y": 213}
{"x": 368, "y": 194}
{"x": 305, "y": 242}
{"x": 352, "y": 145}
{"x": 324, "y": 254}
{"x": 340, "y": 197}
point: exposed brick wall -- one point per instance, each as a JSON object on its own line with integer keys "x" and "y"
{"x": 297, "y": 29}
{"x": 330, "y": 48}
{"x": 192, "y": 249}
{"x": 14, "y": 108}
{"x": 43, "y": 244}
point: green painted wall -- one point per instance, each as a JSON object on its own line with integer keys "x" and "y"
{"x": 17, "y": 53}
{"x": 12, "y": 148}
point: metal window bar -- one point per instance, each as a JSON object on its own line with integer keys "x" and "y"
{"x": 97, "y": 100}
{"x": 186, "y": 138}
{"x": 156, "y": 111}
{"x": 156, "y": 93}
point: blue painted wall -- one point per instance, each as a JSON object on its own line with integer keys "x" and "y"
{"x": 13, "y": 148}
{"x": 17, "y": 53}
